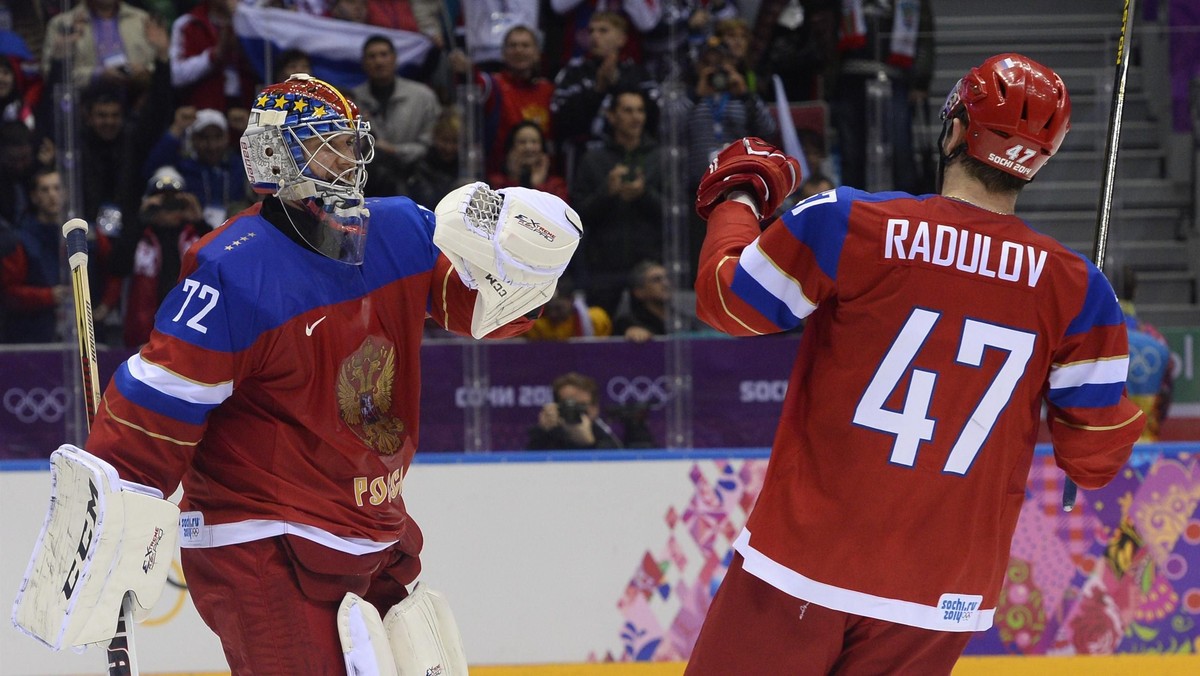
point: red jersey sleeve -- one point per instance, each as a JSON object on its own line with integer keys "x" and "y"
{"x": 452, "y": 304}
{"x": 1093, "y": 425}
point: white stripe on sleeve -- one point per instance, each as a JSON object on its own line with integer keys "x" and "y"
{"x": 172, "y": 385}
{"x": 1099, "y": 372}
{"x": 777, "y": 282}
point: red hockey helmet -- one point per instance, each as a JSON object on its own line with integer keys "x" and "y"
{"x": 1017, "y": 113}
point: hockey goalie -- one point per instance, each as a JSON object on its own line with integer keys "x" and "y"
{"x": 280, "y": 388}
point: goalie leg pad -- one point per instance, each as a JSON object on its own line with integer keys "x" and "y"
{"x": 417, "y": 638}
{"x": 424, "y": 636}
{"x": 365, "y": 643}
{"x": 102, "y": 537}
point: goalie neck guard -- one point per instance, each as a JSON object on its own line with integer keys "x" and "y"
{"x": 305, "y": 142}
{"x": 1017, "y": 113}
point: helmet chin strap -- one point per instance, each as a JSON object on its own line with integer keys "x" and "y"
{"x": 944, "y": 159}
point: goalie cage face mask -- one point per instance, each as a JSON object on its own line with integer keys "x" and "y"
{"x": 1017, "y": 113}
{"x": 306, "y": 142}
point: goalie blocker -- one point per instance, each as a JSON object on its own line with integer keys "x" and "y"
{"x": 103, "y": 537}
{"x": 511, "y": 245}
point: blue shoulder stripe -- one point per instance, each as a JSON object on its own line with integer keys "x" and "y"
{"x": 822, "y": 221}
{"x": 151, "y": 399}
{"x": 766, "y": 303}
{"x": 1087, "y": 396}
{"x": 1100, "y": 307}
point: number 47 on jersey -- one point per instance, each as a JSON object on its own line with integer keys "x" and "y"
{"x": 911, "y": 425}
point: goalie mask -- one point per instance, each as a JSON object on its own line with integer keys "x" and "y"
{"x": 305, "y": 142}
{"x": 1016, "y": 111}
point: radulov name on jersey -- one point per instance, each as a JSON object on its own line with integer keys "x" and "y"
{"x": 950, "y": 246}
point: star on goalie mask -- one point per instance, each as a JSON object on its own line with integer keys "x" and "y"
{"x": 306, "y": 143}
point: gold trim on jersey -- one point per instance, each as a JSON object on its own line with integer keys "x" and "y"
{"x": 721, "y": 296}
{"x": 1059, "y": 365}
{"x": 185, "y": 378}
{"x": 145, "y": 431}
{"x": 1091, "y": 428}
{"x": 445, "y": 296}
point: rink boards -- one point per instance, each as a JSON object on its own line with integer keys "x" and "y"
{"x": 572, "y": 560}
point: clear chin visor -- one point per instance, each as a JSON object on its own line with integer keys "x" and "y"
{"x": 339, "y": 227}
{"x": 336, "y": 168}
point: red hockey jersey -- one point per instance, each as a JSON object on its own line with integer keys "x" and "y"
{"x": 282, "y": 387}
{"x": 935, "y": 331}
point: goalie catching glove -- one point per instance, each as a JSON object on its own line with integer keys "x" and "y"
{"x": 511, "y": 245}
{"x": 753, "y": 165}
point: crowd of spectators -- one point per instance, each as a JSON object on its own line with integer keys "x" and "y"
{"x": 147, "y": 99}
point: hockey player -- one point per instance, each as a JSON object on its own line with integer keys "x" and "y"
{"x": 936, "y": 328}
{"x": 281, "y": 386}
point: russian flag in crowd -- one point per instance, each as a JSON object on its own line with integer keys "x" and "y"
{"x": 333, "y": 46}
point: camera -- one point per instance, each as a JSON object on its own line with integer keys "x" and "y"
{"x": 571, "y": 412}
{"x": 718, "y": 80}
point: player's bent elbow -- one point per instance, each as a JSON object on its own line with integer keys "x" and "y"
{"x": 1098, "y": 469}
{"x": 725, "y": 323}
{"x": 1093, "y": 482}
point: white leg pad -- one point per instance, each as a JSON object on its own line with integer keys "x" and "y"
{"x": 417, "y": 638}
{"x": 365, "y": 645}
{"x": 424, "y": 636}
{"x": 103, "y": 537}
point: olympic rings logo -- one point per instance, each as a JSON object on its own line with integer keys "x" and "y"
{"x": 1145, "y": 362}
{"x": 643, "y": 390}
{"x": 36, "y": 404}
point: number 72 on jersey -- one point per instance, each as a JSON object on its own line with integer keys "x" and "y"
{"x": 205, "y": 291}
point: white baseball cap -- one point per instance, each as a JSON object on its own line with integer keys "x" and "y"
{"x": 208, "y": 117}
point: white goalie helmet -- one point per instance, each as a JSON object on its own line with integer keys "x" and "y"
{"x": 282, "y": 158}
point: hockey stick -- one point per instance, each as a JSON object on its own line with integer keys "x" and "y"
{"x": 121, "y": 660}
{"x": 1104, "y": 209}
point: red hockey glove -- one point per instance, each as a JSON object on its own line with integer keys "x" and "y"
{"x": 753, "y": 165}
